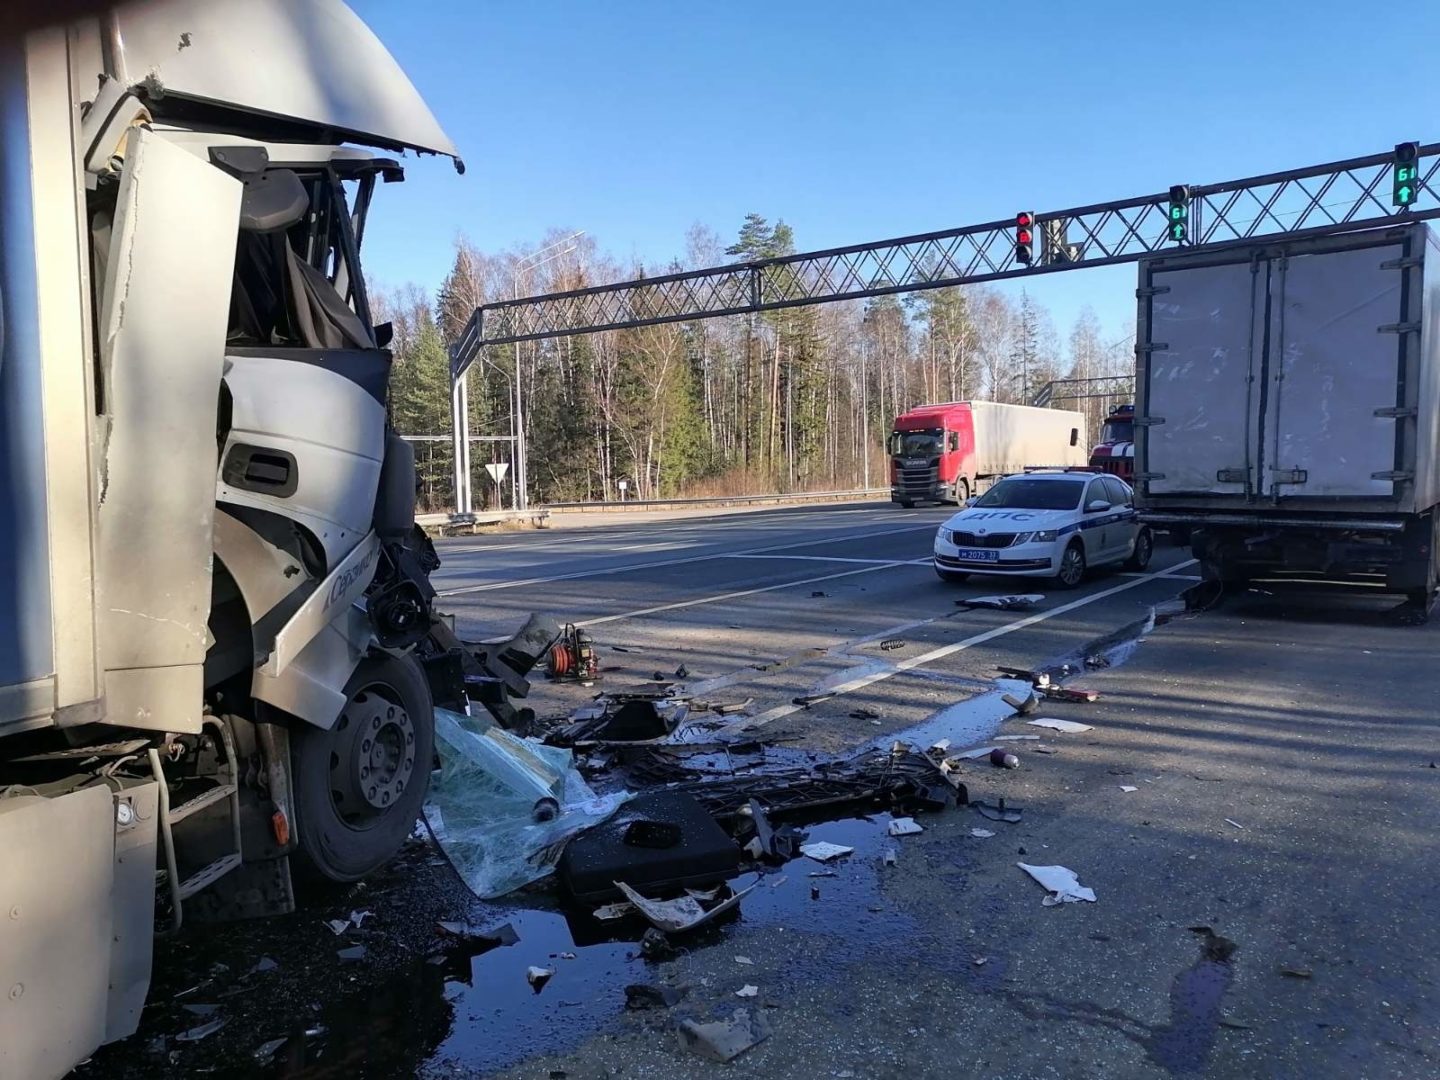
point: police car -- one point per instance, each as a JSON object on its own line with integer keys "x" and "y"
{"x": 1051, "y": 523}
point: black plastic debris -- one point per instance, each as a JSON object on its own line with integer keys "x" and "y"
{"x": 265, "y": 964}
{"x": 621, "y": 718}
{"x": 682, "y": 672}
{"x": 806, "y": 700}
{"x": 352, "y": 954}
{"x": 891, "y": 644}
{"x": 704, "y": 855}
{"x": 998, "y": 811}
{"x": 775, "y": 844}
{"x": 654, "y": 945}
{"x": 645, "y": 996}
{"x": 266, "y": 1051}
{"x": 864, "y": 714}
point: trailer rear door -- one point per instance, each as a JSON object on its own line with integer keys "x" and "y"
{"x": 1331, "y": 367}
{"x": 1204, "y": 345}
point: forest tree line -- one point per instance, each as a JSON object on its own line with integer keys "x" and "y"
{"x": 789, "y": 400}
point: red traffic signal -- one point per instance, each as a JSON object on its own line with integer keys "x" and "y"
{"x": 1025, "y": 237}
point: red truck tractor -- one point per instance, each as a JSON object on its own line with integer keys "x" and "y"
{"x": 1115, "y": 452}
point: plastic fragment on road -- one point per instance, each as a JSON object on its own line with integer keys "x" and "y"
{"x": 338, "y": 926}
{"x": 1071, "y": 727}
{"x": 482, "y": 807}
{"x": 905, "y": 826}
{"x": 998, "y": 812}
{"x": 1060, "y": 882}
{"x": 644, "y": 996}
{"x": 352, "y": 954}
{"x": 1237, "y": 825}
{"x": 823, "y": 851}
{"x": 1022, "y": 707}
{"x": 1013, "y": 738}
{"x": 203, "y": 1031}
{"x": 723, "y": 1040}
{"x": 982, "y": 834}
{"x": 749, "y": 990}
{"x": 1128, "y": 787}
{"x": 267, "y": 1050}
{"x": 745, "y": 960}
{"x": 1002, "y": 603}
{"x": 537, "y": 977}
{"x": 977, "y": 753}
{"x": 678, "y": 916}
{"x": 610, "y": 912}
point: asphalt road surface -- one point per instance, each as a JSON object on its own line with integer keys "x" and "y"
{"x": 1265, "y": 770}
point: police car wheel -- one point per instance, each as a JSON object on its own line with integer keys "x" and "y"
{"x": 1072, "y": 567}
{"x": 1144, "y": 548}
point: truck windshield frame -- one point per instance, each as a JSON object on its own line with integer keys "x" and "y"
{"x": 1117, "y": 431}
{"x": 917, "y": 442}
{"x": 1032, "y": 493}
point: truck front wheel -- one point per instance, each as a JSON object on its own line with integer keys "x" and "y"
{"x": 359, "y": 786}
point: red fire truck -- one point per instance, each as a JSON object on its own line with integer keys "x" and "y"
{"x": 1115, "y": 452}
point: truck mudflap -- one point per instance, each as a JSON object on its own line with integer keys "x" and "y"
{"x": 76, "y": 943}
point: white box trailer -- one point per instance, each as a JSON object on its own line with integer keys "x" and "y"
{"x": 1288, "y": 400}
{"x": 1012, "y": 438}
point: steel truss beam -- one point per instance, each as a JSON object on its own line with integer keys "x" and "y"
{"x": 1338, "y": 197}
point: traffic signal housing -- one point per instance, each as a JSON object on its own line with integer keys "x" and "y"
{"x": 1407, "y": 174}
{"x": 1179, "y": 216}
{"x": 1025, "y": 237}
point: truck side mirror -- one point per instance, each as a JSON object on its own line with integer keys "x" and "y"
{"x": 1074, "y": 436}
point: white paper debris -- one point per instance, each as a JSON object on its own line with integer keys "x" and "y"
{"x": 747, "y": 991}
{"x": 905, "y": 826}
{"x": 677, "y": 916}
{"x": 982, "y": 834}
{"x": 978, "y": 752}
{"x": 1128, "y": 787}
{"x": 1059, "y": 725}
{"x": 1062, "y": 884}
{"x": 538, "y": 976}
{"x": 1013, "y": 738}
{"x": 942, "y": 745}
{"x": 822, "y": 851}
{"x": 614, "y": 911}
{"x": 357, "y": 918}
{"x": 338, "y": 926}
{"x": 745, "y": 960}
{"x": 1235, "y": 823}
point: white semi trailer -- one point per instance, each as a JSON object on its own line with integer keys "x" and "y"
{"x": 217, "y": 647}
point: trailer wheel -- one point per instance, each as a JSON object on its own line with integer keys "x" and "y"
{"x": 1072, "y": 566}
{"x": 359, "y": 786}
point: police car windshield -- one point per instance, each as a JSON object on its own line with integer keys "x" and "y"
{"x": 1032, "y": 493}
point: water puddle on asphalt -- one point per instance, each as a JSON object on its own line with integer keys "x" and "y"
{"x": 1196, "y": 999}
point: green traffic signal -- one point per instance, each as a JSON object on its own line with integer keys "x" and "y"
{"x": 1180, "y": 213}
{"x": 1406, "y": 188}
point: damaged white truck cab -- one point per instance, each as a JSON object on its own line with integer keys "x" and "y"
{"x": 216, "y": 642}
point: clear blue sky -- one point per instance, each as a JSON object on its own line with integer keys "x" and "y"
{"x": 857, "y": 121}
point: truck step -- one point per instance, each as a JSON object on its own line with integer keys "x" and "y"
{"x": 208, "y": 875}
{"x": 180, "y": 812}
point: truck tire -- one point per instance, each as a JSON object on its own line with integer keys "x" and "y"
{"x": 962, "y": 491}
{"x": 360, "y": 785}
{"x": 1144, "y": 549}
{"x": 1072, "y": 566}
{"x": 954, "y": 577}
{"x": 908, "y": 504}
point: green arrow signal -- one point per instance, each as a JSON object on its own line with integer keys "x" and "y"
{"x": 1403, "y": 193}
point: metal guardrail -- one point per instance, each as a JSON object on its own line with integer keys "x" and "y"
{"x": 721, "y": 500}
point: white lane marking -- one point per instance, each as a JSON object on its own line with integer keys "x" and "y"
{"x": 819, "y": 558}
{"x": 811, "y": 542}
{"x": 861, "y": 681}
{"x": 737, "y": 594}
{"x": 1141, "y": 573}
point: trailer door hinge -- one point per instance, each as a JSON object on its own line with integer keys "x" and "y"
{"x": 1152, "y": 346}
{"x": 1150, "y": 290}
{"x": 1402, "y": 263}
{"x": 1397, "y": 412}
{"x": 1232, "y": 476}
{"x": 1399, "y": 328}
{"x": 1148, "y": 421}
{"x": 1395, "y": 475}
{"x": 1288, "y": 476}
